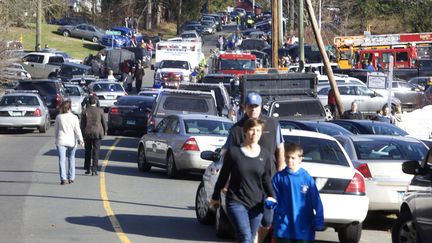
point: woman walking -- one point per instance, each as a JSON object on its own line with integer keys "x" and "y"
{"x": 68, "y": 135}
{"x": 249, "y": 167}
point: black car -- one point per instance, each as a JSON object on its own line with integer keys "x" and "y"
{"x": 230, "y": 81}
{"x": 315, "y": 126}
{"x": 415, "y": 216}
{"x": 254, "y": 44}
{"x": 52, "y": 92}
{"x": 197, "y": 27}
{"x": 68, "y": 70}
{"x": 130, "y": 113}
{"x": 370, "y": 127}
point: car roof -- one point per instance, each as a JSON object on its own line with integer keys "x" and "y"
{"x": 205, "y": 117}
{"x": 72, "y": 64}
{"x": 137, "y": 97}
{"x": 303, "y": 133}
{"x": 377, "y": 137}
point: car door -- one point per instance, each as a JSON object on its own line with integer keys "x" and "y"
{"x": 79, "y": 31}
{"x": 167, "y": 138}
{"x": 371, "y": 101}
{"x": 151, "y": 142}
{"x": 33, "y": 63}
{"x": 405, "y": 92}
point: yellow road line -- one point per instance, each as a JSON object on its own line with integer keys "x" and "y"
{"x": 109, "y": 212}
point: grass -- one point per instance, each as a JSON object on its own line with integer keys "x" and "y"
{"x": 77, "y": 48}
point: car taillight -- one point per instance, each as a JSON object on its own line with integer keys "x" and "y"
{"x": 190, "y": 145}
{"x": 114, "y": 110}
{"x": 364, "y": 170}
{"x": 58, "y": 100}
{"x": 356, "y": 185}
{"x": 37, "y": 112}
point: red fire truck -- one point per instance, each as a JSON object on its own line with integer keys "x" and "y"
{"x": 235, "y": 62}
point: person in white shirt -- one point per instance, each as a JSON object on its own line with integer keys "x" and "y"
{"x": 68, "y": 135}
{"x": 110, "y": 76}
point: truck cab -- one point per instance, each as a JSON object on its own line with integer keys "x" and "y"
{"x": 237, "y": 63}
{"x": 42, "y": 64}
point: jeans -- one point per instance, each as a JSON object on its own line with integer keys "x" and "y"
{"x": 63, "y": 153}
{"x": 245, "y": 221}
{"x": 92, "y": 147}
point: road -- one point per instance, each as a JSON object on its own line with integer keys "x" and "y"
{"x": 120, "y": 205}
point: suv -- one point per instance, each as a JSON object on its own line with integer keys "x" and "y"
{"x": 230, "y": 81}
{"x": 52, "y": 92}
{"x": 69, "y": 70}
{"x": 414, "y": 221}
{"x": 170, "y": 102}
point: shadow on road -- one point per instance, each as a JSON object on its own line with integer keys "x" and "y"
{"x": 166, "y": 227}
{"x": 154, "y": 173}
{"x": 379, "y": 221}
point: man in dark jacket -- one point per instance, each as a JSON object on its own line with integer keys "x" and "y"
{"x": 354, "y": 113}
{"x": 94, "y": 128}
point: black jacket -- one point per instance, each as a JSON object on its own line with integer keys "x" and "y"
{"x": 93, "y": 123}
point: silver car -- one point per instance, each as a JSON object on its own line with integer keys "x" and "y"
{"x": 107, "y": 92}
{"x": 86, "y": 31}
{"x": 77, "y": 97}
{"x": 368, "y": 100}
{"x": 177, "y": 141}
{"x": 24, "y": 110}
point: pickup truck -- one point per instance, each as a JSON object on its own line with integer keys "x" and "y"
{"x": 423, "y": 68}
{"x": 42, "y": 64}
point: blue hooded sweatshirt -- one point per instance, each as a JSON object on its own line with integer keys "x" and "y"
{"x": 297, "y": 197}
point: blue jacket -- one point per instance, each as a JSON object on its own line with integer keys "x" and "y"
{"x": 297, "y": 197}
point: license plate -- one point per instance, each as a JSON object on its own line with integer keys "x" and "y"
{"x": 130, "y": 122}
{"x": 110, "y": 97}
{"x": 16, "y": 113}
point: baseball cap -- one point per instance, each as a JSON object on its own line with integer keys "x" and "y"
{"x": 253, "y": 99}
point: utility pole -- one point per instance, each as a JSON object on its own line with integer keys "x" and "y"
{"x": 291, "y": 15}
{"x": 275, "y": 34}
{"x": 38, "y": 25}
{"x": 179, "y": 17}
{"x": 326, "y": 60}
{"x": 301, "y": 35}
{"x": 280, "y": 23}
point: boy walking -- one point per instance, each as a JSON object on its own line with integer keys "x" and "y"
{"x": 299, "y": 211}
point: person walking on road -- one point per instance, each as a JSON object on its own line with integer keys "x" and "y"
{"x": 67, "y": 134}
{"x": 249, "y": 166}
{"x": 299, "y": 211}
{"x": 94, "y": 127}
{"x": 139, "y": 75}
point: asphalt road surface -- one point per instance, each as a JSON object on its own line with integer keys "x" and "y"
{"x": 120, "y": 205}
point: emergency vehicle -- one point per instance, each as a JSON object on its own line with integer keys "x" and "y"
{"x": 416, "y": 45}
{"x": 235, "y": 62}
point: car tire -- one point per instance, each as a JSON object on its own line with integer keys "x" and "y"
{"x": 350, "y": 233}
{"x": 142, "y": 160}
{"x": 95, "y": 39}
{"x": 223, "y": 226}
{"x": 404, "y": 229}
{"x": 66, "y": 33}
{"x": 204, "y": 213}
{"x": 171, "y": 166}
{"x": 44, "y": 128}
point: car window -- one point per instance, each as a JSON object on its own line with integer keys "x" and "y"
{"x": 324, "y": 91}
{"x": 319, "y": 150}
{"x": 349, "y": 127}
{"x": 73, "y": 91}
{"x": 55, "y": 59}
{"x": 305, "y": 107}
{"x": 34, "y": 58}
{"x": 100, "y": 87}
{"x": 171, "y": 126}
{"x": 195, "y": 126}
{"x": 16, "y": 100}
{"x": 396, "y": 150}
{"x": 81, "y": 27}
{"x": 162, "y": 125}
{"x": 377, "y": 128}
{"x": 44, "y": 88}
{"x": 186, "y": 104}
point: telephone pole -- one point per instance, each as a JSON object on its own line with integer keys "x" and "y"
{"x": 275, "y": 34}
{"x": 38, "y": 25}
{"x": 301, "y": 34}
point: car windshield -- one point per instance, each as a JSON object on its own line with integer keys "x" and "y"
{"x": 186, "y": 104}
{"x": 18, "y": 100}
{"x": 174, "y": 64}
{"x": 229, "y": 64}
{"x": 73, "y": 91}
{"x": 136, "y": 101}
{"x": 191, "y": 35}
{"x": 101, "y": 87}
{"x": 319, "y": 150}
{"x": 44, "y": 88}
{"x": 194, "y": 126}
{"x": 394, "y": 150}
{"x": 385, "y": 129}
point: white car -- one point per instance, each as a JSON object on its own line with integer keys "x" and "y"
{"x": 107, "y": 92}
{"x": 341, "y": 186}
{"x": 77, "y": 97}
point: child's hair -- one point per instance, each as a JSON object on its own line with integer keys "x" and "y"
{"x": 252, "y": 122}
{"x": 293, "y": 148}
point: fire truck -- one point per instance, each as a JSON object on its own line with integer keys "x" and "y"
{"x": 351, "y": 48}
{"x": 235, "y": 62}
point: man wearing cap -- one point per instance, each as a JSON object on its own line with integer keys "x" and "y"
{"x": 271, "y": 140}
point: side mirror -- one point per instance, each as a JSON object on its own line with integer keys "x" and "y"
{"x": 209, "y": 155}
{"x": 412, "y": 167}
{"x": 373, "y": 95}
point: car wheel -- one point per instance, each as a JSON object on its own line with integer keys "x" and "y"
{"x": 350, "y": 233}
{"x": 95, "y": 39}
{"x": 44, "y": 127}
{"x": 66, "y": 33}
{"x": 404, "y": 230}
{"x": 204, "y": 213}
{"x": 223, "y": 225}
{"x": 171, "y": 166}
{"x": 142, "y": 161}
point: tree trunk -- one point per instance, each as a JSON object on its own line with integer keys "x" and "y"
{"x": 179, "y": 17}
{"x": 149, "y": 15}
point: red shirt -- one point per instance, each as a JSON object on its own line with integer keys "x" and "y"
{"x": 331, "y": 98}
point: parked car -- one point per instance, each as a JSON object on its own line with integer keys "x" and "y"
{"x": 368, "y": 100}
{"x": 14, "y": 71}
{"x": 177, "y": 141}
{"x": 190, "y": 35}
{"x": 370, "y": 127}
{"x": 209, "y": 27}
{"x": 70, "y": 70}
{"x": 52, "y": 92}
{"x": 415, "y": 214}
{"x": 130, "y": 113}
{"x": 341, "y": 187}
{"x": 170, "y": 102}
{"x": 66, "y": 57}
{"x": 419, "y": 82}
{"x": 196, "y": 27}
{"x": 78, "y": 98}
{"x": 72, "y": 21}
{"x": 379, "y": 159}
{"x": 315, "y": 126}
{"x": 151, "y": 92}
{"x": 107, "y": 92}
{"x": 84, "y": 31}
{"x": 24, "y": 109}
{"x": 122, "y": 38}
{"x": 230, "y": 81}
{"x": 253, "y": 44}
